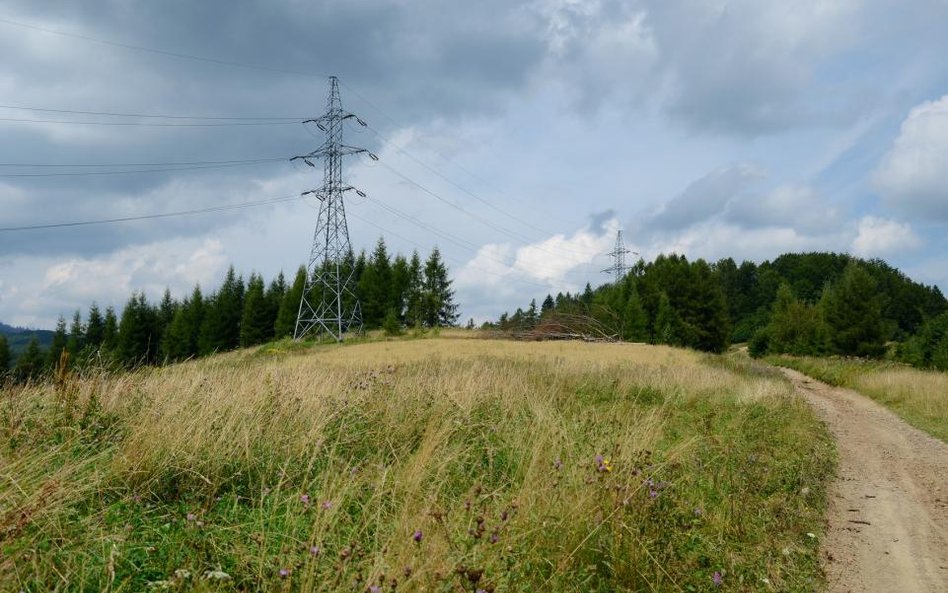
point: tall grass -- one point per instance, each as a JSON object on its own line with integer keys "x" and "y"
{"x": 424, "y": 465}
{"x": 920, "y": 397}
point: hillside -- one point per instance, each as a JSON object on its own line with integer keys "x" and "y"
{"x": 444, "y": 464}
{"x": 19, "y": 337}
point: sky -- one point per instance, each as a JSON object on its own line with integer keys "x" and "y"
{"x": 517, "y": 137}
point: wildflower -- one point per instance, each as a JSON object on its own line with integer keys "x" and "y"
{"x": 698, "y": 512}
{"x": 327, "y": 504}
{"x": 354, "y": 470}
{"x": 417, "y": 536}
{"x": 602, "y": 464}
{"x": 503, "y": 515}
{"x": 557, "y": 465}
{"x": 314, "y": 550}
{"x": 191, "y": 517}
{"x": 494, "y": 538}
{"x": 284, "y": 572}
{"x": 717, "y": 579}
{"x": 810, "y": 535}
{"x": 304, "y": 498}
{"x": 652, "y": 493}
{"x": 182, "y": 574}
{"x": 374, "y": 589}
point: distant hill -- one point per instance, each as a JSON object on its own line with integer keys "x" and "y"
{"x": 19, "y": 337}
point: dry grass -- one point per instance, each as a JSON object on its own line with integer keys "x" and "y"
{"x": 244, "y": 462}
{"x": 920, "y": 397}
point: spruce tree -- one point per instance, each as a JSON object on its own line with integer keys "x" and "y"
{"x": 414, "y": 295}
{"x": 166, "y": 311}
{"x": 795, "y": 327}
{"x": 439, "y": 307}
{"x": 4, "y": 357}
{"x": 110, "y": 331}
{"x": 75, "y": 341}
{"x": 180, "y": 341}
{"x": 635, "y": 322}
{"x": 374, "y": 287}
{"x": 220, "y": 329}
{"x": 95, "y": 327}
{"x": 547, "y": 306}
{"x": 256, "y": 326}
{"x": 60, "y": 341}
{"x": 30, "y": 364}
{"x": 289, "y": 309}
{"x": 138, "y": 340}
{"x": 274, "y": 296}
{"x": 398, "y": 293}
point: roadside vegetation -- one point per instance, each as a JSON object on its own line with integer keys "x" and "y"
{"x": 437, "y": 464}
{"x": 918, "y": 396}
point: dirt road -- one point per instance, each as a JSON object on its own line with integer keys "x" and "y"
{"x": 888, "y": 512}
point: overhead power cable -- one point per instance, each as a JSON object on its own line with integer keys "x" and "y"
{"x": 161, "y": 52}
{"x": 164, "y": 164}
{"x": 58, "y": 225}
{"x": 146, "y": 124}
{"x": 152, "y": 115}
{"x": 139, "y": 171}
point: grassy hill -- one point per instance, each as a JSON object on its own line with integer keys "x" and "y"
{"x": 443, "y": 464}
{"x": 19, "y": 337}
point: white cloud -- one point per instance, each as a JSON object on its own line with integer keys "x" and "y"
{"x": 879, "y": 236}
{"x": 913, "y": 176}
{"x": 46, "y": 287}
{"x": 797, "y": 206}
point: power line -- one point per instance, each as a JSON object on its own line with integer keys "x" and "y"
{"x": 146, "y": 124}
{"x": 57, "y": 225}
{"x": 165, "y": 164}
{"x": 149, "y": 115}
{"x": 139, "y": 171}
{"x": 171, "y": 54}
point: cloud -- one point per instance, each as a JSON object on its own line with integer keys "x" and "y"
{"x": 706, "y": 197}
{"x": 913, "y": 175}
{"x": 47, "y": 287}
{"x": 881, "y": 237}
{"x": 793, "y": 206}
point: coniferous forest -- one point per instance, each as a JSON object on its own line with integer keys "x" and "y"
{"x": 802, "y": 304}
{"x": 394, "y": 293}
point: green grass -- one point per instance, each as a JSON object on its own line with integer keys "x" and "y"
{"x": 919, "y": 397}
{"x": 164, "y": 478}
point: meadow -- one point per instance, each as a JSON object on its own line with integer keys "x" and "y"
{"x": 920, "y": 397}
{"x": 441, "y": 464}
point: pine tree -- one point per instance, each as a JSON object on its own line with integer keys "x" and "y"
{"x": 439, "y": 308}
{"x": 256, "y": 326}
{"x": 4, "y": 357}
{"x": 30, "y": 364}
{"x": 95, "y": 327}
{"x": 285, "y": 323}
{"x": 60, "y": 341}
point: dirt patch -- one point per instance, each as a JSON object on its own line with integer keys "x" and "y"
{"x": 888, "y": 510}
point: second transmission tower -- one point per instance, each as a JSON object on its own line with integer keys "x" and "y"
{"x": 328, "y": 303}
{"x": 618, "y": 254}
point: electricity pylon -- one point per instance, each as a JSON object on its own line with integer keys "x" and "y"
{"x": 618, "y": 254}
{"x": 328, "y": 303}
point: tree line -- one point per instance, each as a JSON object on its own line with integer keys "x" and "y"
{"x": 394, "y": 292}
{"x": 811, "y": 303}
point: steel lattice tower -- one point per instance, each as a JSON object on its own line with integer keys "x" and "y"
{"x": 618, "y": 254}
{"x": 328, "y": 303}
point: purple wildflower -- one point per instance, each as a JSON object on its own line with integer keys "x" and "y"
{"x": 417, "y": 536}
{"x": 698, "y": 512}
{"x": 327, "y": 504}
{"x": 494, "y": 538}
{"x": 304, "y": 498}
{"x": 717, "y": 579}
{"x": 284, "y": 572}
{"x": 653, "y": 493}
{"x": 191, "y": 517}
{"x": 374, "y": 589}
{"x": 557, "y": 465}
{"x": 314, "y": 550}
